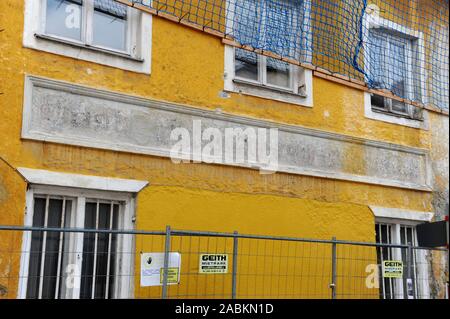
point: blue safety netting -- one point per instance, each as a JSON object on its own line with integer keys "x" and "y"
{"x": 400, "y": 46}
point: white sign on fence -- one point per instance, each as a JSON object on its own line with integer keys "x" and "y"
{"x": 152, "y": 269}
{"x": 213, "y": 264}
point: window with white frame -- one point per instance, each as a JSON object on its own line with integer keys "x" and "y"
{"x": 85, "y": 265}
{"x": 106, "y": 31}
{"x": 388, "y": 232}
{"x": 98, "y": 23}
{"x": 390, "y": 65}
{"x": 257, "y": 69}
{"x": 274, "y": 27}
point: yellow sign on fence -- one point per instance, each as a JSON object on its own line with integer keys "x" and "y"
{"x": 393, "y": 269}
{"x": 172, "y": 275}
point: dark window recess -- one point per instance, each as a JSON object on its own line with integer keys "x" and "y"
{"x": 50, "y": 251}
{"x": 393, "y": 107}
{"x": 46, "y": 253}
{"x": 99, "y": 255}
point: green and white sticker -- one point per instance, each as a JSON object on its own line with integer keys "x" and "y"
{"x": 393, "y": 269}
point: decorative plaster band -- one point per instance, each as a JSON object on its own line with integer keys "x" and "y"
{"x": 66, "y": 113}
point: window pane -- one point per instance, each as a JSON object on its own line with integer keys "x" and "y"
{"x": 282, "y": 27}
{"x": 246, "y": 22}
{"x": 273, "y": 26}
{"x": 384, "y": 253}
{"x": 278, "y": 73}
{"x": 378, "y": 101}
{"x": 246, "y": 65}
{"x": 53, "y": 259}
{"x": 113, "y": 261}
{"x": 52, "y": 249}
{"x": 36, "y": 249}
{"x": 88, "y": 252}
{"x": 397, "y": 62}
{"x": 110, "y": 24}
{"x": 100, "y": 253}
{"x": 376, "y": 57}
{"x": 398, "y": 106}
{"x": 64, "y": 18}
{"x": 66, "y": 252}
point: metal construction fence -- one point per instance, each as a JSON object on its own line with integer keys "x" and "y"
{"x": 47, "y": 263}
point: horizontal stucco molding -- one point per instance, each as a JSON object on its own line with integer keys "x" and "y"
{"x": 51, "y": 178}
{"x": 61, "y": 112}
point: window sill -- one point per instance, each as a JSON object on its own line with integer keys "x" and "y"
{"x": 268, "y": 87}
{"x": 87, "y": 47}
{"x": 267, "y": 92}
{"x": 377, "y": 110}
{"x": 392, "y": 118}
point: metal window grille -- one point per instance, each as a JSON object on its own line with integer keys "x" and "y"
{"x": 419, "y": 266}
{"x": 51, "y": 252}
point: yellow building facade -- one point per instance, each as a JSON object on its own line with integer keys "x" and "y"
{"x": 180, "y": 77}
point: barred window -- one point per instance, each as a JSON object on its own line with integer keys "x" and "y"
{"x": 396, "y": 288}
{"x": 68, "y": 264}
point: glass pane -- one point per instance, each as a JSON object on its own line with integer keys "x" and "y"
{"x": 52, "y": 249}
{"x": 105, "y": 254}
{"x": 66, "y": 252}
{"x": 282, "y": 27}
{"x": 88, "y": 252}
{"x": 378, "y": 101}
{"x": 110, "y": 24}
{"x": 278, "y": 73}
{"x": 397, "y": 63}
{"x": 64, "y": 18}
{"x": 383, "y": 236}
{"x": 246, "y": 65}
{"x": 102, "y": 251}
{"x": 112, "y": 270}
{"x": 246, "y": 22}
{"x": 399, "y": 106}
{"x": 379, "y": 261}
{"x": 376, "y": 57}
{"x": 36, "y": 249}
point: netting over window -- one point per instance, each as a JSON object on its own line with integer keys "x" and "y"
{"x": 111, "y": 7}
{"x": 400, "y": 46}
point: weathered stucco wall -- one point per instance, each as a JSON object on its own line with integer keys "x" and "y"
{"x": 196, "y": 80}
{"x": 187, "y": 68}
{"x": 440, "y": 201}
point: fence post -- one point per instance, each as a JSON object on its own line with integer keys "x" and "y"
{"x": 333, "y": 268}
{"x": 234, "y": 273}
{"x": 166, "y": 263}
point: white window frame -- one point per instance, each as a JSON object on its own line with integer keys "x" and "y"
{"x": 82, "y": 188}
{"x": 123, "y": 288}
{"x": 400, "y": 217}
{"x": 420, "y": 270}
{"x": 300, "y": 90}
{"x": 374, "y": 21}
{"x": 87, "y": 32}
{"x": 136, "y": 57}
